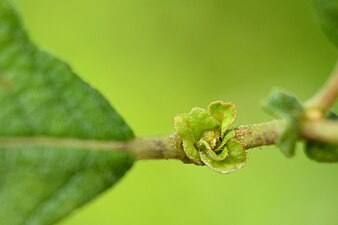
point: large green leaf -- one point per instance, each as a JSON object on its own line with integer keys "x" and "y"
{"x": 327, "y": 13}
{"x": 41, "y": 98}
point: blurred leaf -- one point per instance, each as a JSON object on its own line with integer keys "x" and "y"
{"x": 322, "y": 152}
{"x": 327, "y": 11}
{"x": 41, "y": 96}
{"x": 289, "y": 109}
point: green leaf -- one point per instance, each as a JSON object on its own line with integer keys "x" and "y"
{"x": 224, "y": 113}
{"x": 200, "y": 120}
{"x": 207, "y": 138}
{"x": 322, "y": 152}
{"x": 327, "y": 13}
{"x": 287, "y": 107}
{"x": 40, "y": 96}
{"x": 40, "y": 186}
{"x": 235, "y": 158}
{"x": 182, "y": 126}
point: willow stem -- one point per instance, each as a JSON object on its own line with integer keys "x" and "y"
{"x": 327, "y": 95}
{"x": 249, "y": 136}
{"x": 324, "y": 131}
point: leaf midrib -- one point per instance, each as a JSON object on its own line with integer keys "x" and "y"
{"x": 13, "y": 142}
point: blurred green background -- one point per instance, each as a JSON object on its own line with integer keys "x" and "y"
{"x": 153, "y": 59}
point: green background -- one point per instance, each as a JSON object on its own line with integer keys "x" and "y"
{"x": 153, "y": 59}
